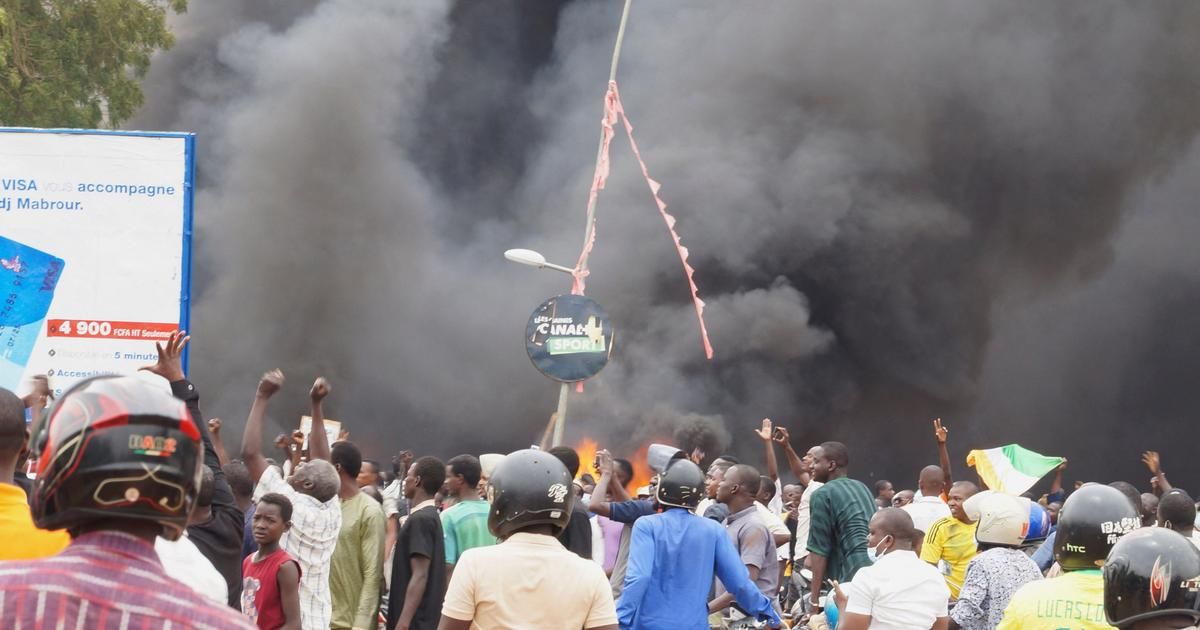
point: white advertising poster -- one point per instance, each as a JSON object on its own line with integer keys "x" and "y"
{"x": 95, "y": 251}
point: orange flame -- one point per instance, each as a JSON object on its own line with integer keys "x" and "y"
{"x": 587, "y": 449}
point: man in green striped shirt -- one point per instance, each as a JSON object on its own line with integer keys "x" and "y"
{"x": 465, "y": 525}
{"x": 841, "y": 510}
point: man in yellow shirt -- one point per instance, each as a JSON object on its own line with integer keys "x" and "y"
{"x": 1090, "y": 523}
{"x": 952, "y": 539}
{"x": 23, "y": 540}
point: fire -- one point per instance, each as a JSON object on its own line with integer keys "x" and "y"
{"x": 587, "y": 449}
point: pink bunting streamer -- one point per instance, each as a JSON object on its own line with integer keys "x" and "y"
{"x": 612, "y": 108}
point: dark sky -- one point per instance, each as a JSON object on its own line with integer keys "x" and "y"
{"x": 980, "y": 211}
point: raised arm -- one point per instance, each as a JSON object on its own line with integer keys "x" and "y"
{"x": 764, "y": 434}
{"x": 782, "y": 438}
{"x": 600, "y": 503}
{"x": 318, "y": 442}
{"x": 940, "y": 433}
{"x": 1152, "y": 461}
{"x": 214, "y": 429}
{"x": 170, "y": 367}
{"x": 252, "y": 453}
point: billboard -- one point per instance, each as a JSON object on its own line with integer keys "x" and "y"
{"x": 95, "y": 250}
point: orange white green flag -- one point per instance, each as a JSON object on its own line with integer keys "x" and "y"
{"x": 1011, "y": 469}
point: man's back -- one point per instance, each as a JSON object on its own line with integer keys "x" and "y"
{"x": 992, "y": 578}
{"x": 898, "y": 592}
{"x": 672, "y": 561}
{"x": 464, "y": 527}
{"x": 1074, "y": 600}
{"x": 310, "y": 541}
{"x": 841, "y": 510}
{"x": 529, "y": 581}
{"x": 105, "y": 580}
{"x": 926, "y": 511}
{"x": 356, "y": 568}
{"x": 16, "y": 523}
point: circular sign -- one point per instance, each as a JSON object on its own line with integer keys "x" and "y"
{"x": 569, "y": 338}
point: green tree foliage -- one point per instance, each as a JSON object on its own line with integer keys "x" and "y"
{"x": 77, "y": 63}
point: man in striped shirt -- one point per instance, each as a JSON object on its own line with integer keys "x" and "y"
{"x": 313, "y": 491}
{"x": 92, "y": 482}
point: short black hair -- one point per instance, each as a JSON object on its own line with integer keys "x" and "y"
{"x": 468, "y": 467}
{"x": 238, "y": 477}
{"x": 208, "y": 486}
{"x": 837, "y": 453}
{"x": 12, "y": 423}
{"x": 374, "y": 465}
{"x": 1179, "y": 508}
{"x": 1130, "y": 492}
{"x": 766, "y": 485}
{"x": 568, "y": 457}
{"x": 285, "y": 505}
{"x": 745, "y": 476}
{"x": 733, "y": 461}
{"x": 346, "y": 456}
{"x": 880, "y": 485}
{"x": 432, "y": 472}
{"x": 625, "y": 465}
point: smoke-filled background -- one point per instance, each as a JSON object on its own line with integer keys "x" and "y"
{"x": 979, "y": 211}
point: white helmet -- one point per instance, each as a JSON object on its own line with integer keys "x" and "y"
{"x": 1002, "y": 519}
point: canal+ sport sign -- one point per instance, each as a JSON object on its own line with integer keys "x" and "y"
{"x": 569, "y": 338}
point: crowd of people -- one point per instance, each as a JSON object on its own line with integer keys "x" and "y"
{"x": 136, "y": 516}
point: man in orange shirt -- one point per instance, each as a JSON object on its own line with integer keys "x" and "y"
{"x": 25, "y": 541}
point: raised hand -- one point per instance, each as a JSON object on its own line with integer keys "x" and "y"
{"x": 940, "y": 432}
{"x": 604, "y": 461}
{"x": 764, "y": 433}
{"x": 320, "y": 389}
{"x": 781, "y": 436}
{"x": 281, "y": 441}
{"x": 41, "y": 395}
{"x": 270, "y": 383}
{"x": 1151, "y": 460}
{"x": 170, "y": 363}
{"x": 214, "y": 426}
{"x": 697, "y": 455}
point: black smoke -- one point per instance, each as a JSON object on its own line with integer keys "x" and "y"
{"x": 978, "y": 211}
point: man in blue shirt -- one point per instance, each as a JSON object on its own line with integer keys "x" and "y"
{"x": 673, "y": 557}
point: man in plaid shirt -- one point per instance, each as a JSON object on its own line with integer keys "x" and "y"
{"x": 313, "y": 491}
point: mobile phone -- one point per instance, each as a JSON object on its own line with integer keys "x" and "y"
{"x": 778, "y": 434}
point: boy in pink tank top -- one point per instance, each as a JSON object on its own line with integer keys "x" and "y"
{"x": 271, "y": 577}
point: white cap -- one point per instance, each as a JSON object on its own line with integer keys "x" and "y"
{"x": 488, "y": 462}
{"x": 1002, "y": 519}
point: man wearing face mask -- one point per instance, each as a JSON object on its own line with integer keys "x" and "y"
{"x": 898, "y": 591}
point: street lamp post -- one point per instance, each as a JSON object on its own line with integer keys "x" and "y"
{"x": 534, "y": 259}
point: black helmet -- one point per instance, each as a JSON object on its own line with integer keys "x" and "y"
{"x": 1092, "y": 519}
{"x": 529, "y": 487}
{"x": 119, "y": 448}
{"x": 1153, "y": 572}
{"x": 680, "y": 485}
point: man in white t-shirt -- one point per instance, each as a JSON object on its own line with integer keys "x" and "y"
{"x": 929, "y": 507}
{"x": 899, "y": 591}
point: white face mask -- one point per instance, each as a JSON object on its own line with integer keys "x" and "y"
{"x": 875, "y": 553}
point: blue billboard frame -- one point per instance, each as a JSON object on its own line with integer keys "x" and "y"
{"x": 189, "y": 180}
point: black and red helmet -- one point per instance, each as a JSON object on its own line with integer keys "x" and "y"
{"x": 1152, "y": 572}
{"x": 117, "y": 447}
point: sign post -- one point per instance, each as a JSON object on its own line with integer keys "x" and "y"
{"x": 569, "y": 339}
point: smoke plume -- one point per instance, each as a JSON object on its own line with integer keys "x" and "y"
{"x": 978, "y": 211}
